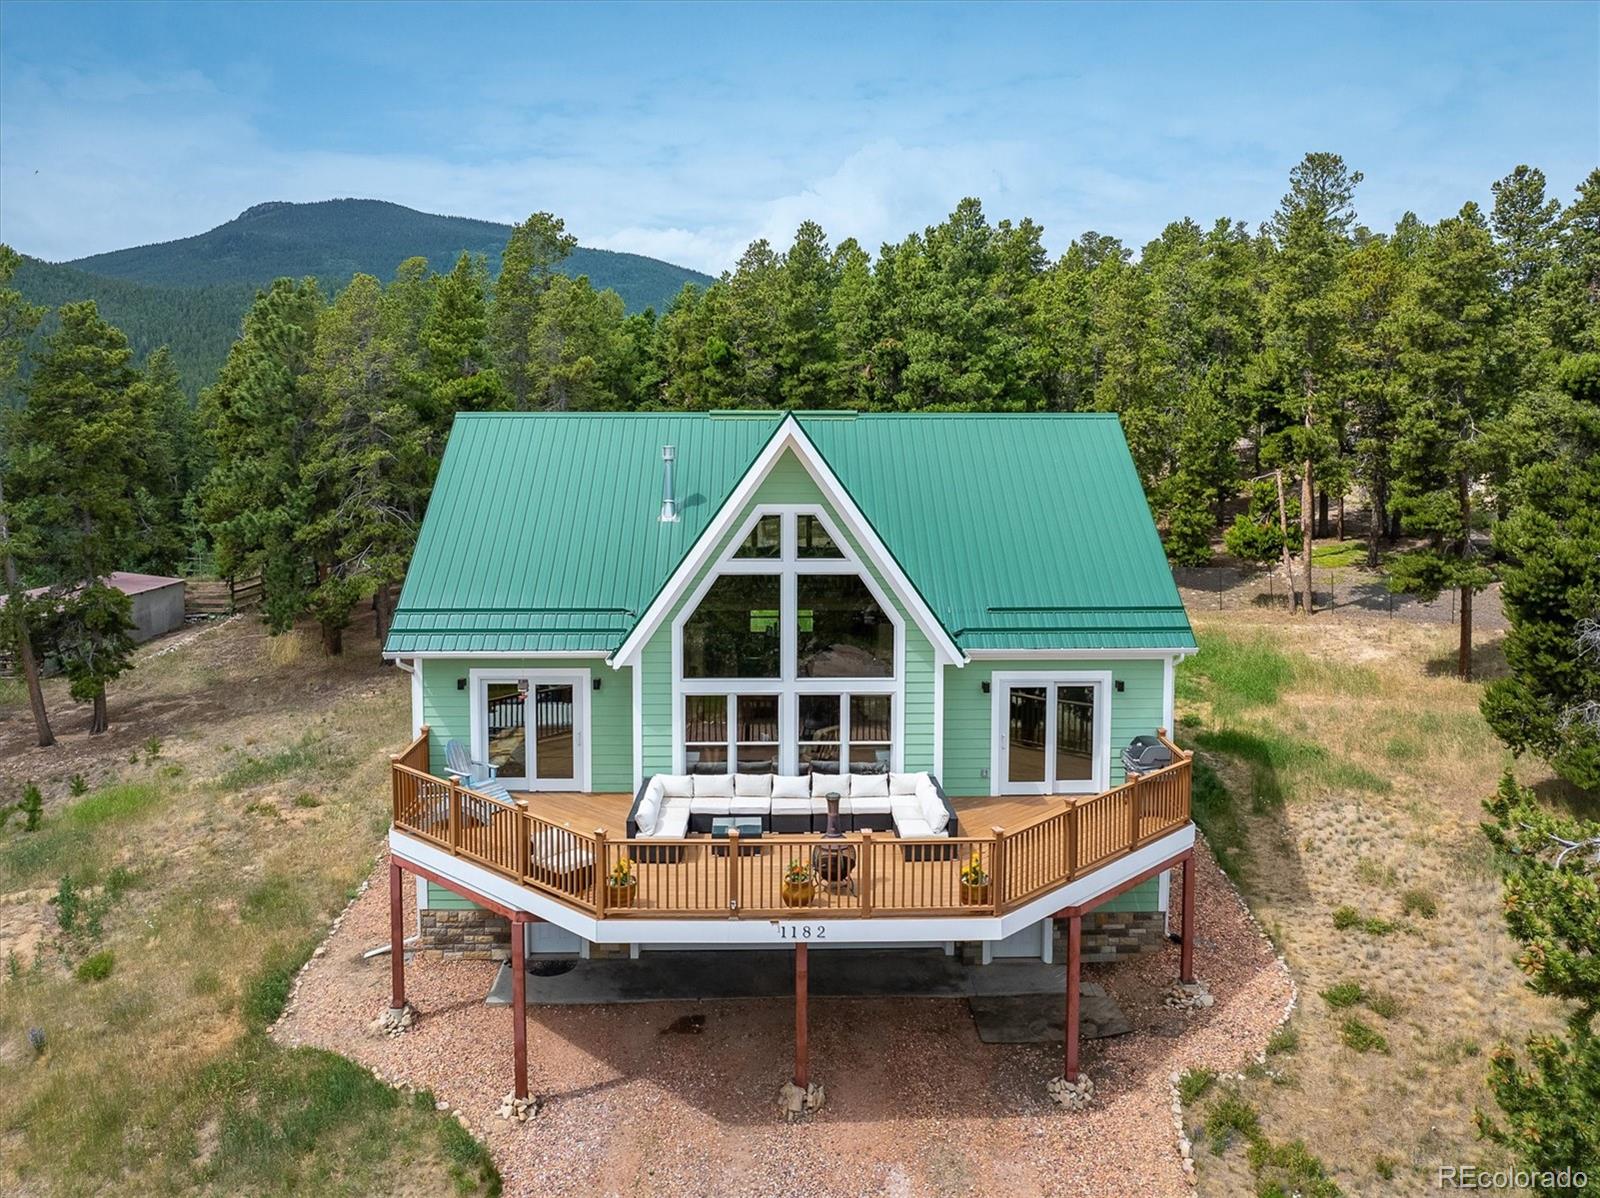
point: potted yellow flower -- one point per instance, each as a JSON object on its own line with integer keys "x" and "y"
{"x": 621, "y": 884}
{"x": 799, "y": 885}
{"x": 974, "y": 882}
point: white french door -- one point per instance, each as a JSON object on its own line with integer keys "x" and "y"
{"x": 1052, "y": 733}
{"x": 533, "y": 726}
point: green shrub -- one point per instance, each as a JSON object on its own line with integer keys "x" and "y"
{"x": 1345, "y": 994}
{"x": 1345, "y": 917}
{"x": 1230, "y": 1115}
{"x": 1360, "y": 1035}
{"x": 78, "y": 785}
{"x": 96, "y": 967}
{"x": 1374, "y": 926}
{"x": 1290, "y": 1169}
{"x": 1193, "y": 1083}
{"x": 1284, "y": 1041}
{"x": 306, "y": 799}
{"x": 152, "y": 748}
{"x": 32, "y": 808}
{"x": 1419, "y": 903}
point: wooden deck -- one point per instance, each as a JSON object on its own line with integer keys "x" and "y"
{"x": 570, "y": 846}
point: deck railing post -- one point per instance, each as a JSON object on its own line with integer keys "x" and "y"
{"x": 602, "y": 870}
{"x": 997, "y": 867}
{"x": 864, "y": 873}
{"x": 1135, "y": 790}
{"x": 1072, "y": 839}
{"x": 394, "y": 788}
{"x": 733, "y": 873}
{"x": 453, "y": 796}
{"x": 523, "y": 831}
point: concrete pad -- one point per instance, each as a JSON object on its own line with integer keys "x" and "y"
{"x": 834, "y": 973}
{"x": 1042, "y": 1019}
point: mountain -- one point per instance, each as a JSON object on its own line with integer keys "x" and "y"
{"x": 191, "y": 293}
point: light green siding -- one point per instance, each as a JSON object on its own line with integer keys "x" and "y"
{"x": 1136, "y": 708}
{"x": 1146, "y": 896}
{"x": 446, "y": 709}
{"x": 788, "y": 483}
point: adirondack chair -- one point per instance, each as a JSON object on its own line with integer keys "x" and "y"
{"x": 459, "y": 759}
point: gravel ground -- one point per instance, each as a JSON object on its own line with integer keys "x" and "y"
{"x": 916, "y": 1104}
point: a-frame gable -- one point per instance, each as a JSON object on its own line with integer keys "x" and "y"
{"x": 789, "y": 438}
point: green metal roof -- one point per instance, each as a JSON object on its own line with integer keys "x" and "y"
{"x": 1019, "y": 531}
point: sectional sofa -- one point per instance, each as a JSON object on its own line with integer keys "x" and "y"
{"x": 913, "y": 806}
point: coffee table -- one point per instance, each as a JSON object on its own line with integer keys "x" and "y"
{"x": 749, "y": 828}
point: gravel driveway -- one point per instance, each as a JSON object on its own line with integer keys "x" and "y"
{"x": 916, "y": 1104}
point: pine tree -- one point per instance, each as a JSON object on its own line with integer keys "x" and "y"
{"x": 527, "y": 267}
{"x": 1449, "y": 326}
{"x": 18, "y": 319}
{"x": 259, "y": 421}
{"x": 1549, "y": 546}
{"x": 455, "y": 341}
{"x": 1311, "y": 231}
{"x": 165, "y": 436}
{"x": 74, "y": 462}
{"x": 807, "y": 346}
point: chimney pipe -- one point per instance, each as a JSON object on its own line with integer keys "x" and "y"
{"x": 669, "y": 501}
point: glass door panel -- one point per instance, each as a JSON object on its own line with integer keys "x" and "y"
{"x": 554, "y": 755}
{"x": 1074, "y": 733}
{"x": 507, "y": 726}
{"x": 1027, "y": 732}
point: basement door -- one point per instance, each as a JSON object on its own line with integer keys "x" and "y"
{"x": 533, "y": 726}
{"x": 1052, "y": 733}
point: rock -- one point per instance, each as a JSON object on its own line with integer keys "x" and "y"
{"x": 394, "y": 1021}
{"x": 796, "y": 1103}
{"x": 1074, "y": 1096}
{"x": 519, "y": 1110}
{"x": 1189, "y": 996}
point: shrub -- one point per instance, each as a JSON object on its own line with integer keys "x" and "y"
{"x": 152, "y": 748}
{"x": 1193, "y": 1083}
{"x": 96, "y": 967}
{"x": 1374, "y": 926}
{"x": 1345, "y": 917}
{"x": 1283, "y": 1041}
{"x": 1290, "y": 1169}
{"x": 1345, "y": 994}
{"x": 1360, "y": 1035}
{"x": 1419, "y": 903}
{"x": 305, "y": 799}
{"x": 1231, "y": 1115}
{"x": 32, "y": 808}
{"x": 78, "y": 785}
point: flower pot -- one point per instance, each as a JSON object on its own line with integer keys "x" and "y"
{"x": 621, "y": 896}
{"x": 798, "y": 894}
{"x": 975, "y": 894}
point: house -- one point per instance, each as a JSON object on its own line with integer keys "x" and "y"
{"x": 754, "y": 678}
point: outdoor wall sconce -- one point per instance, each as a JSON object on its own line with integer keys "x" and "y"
{"x": 597, "y": 684}
{"x": 985, "y": 686}
{"x": 1120, "y": 685}
{"x": 461, "y": 684}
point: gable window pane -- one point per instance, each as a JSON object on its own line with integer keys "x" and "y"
{"x": 734, "y": 633}
{"x": 842, "y": 632}
{"x": 705, "y": 734}
{"x": 756, "y": 734}
{"x": 765, "y": 539}
{"x": 818, "y": 733}
{"x": 871, "y": 733}
{"x": 812, "y": 539}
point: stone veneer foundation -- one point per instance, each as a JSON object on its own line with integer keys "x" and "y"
{"x": 1113, "y": 935}
{"x": 470, "y": 935}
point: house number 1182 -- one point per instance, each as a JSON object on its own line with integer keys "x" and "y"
{"x": 802, "y": 931}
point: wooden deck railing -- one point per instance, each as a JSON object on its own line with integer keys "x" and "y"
{"x": 701, "y": 878}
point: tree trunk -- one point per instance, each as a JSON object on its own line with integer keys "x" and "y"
{"x": 1322, "y": 512}
{"x": 1305, "y": 528}
{"x": 1377, "y": 523}
{"x": 1341, "y": 515}
{"x": 1394, "y": 527}
{"x": 1464, "y": 650}
{"x": 99, "y": 721}
{"x": 1283, "y": 541}
{"x": 332, "y": 639}
{"x": 30, "y": 664}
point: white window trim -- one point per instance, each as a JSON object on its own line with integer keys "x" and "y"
{"x": 1001, "y": 682}
{"x": 788, "y": 566}
{"x": 579, "y": 680}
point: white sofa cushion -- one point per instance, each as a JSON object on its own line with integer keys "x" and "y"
{"x": 713, "y": 786}
{"x": 932, "y": 809}
{"x": 869, "y": 786}
{"x": 912, "y": 827}
{"x": 705, "y": 805}
{"x": 905, "y": 784}
{"x": 559, "y": 851}
{"x": 673, "y": 823}
{"x": 821, "y": 784}
{"x": 752, "y": 786}
{"x": 749, "y": 806}
{"x": 649, "y": 808}
{"x": 792, "y": 806}
{"x": 791, "y": 786}
{"x": 871, "y": 804}
{"x": 676, "y": 786}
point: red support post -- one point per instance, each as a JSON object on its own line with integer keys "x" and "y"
{"x": 519, "y": 1005}
{"x": 397, "y": 935}
{"x": 802, "y": 1055}
{"x": 1074, "y": 959}
{"x": 1186, "y": 951}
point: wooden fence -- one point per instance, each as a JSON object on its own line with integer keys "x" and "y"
{"x": 859, "y": 875}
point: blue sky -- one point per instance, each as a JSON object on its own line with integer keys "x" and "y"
{"x": 685, "y": 131}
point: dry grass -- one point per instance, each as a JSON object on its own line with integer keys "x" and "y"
{"x": 1356, "y": 766}
{"x": 202, "y": 870}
